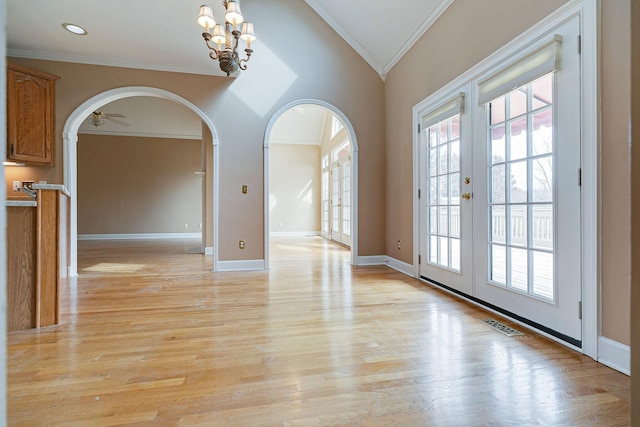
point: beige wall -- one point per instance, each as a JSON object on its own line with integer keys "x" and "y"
{"x": 635, "y": 213}
{"x": 616, "y": 208}
{"x": 241, "y": 108}
{"x": 468, "y": 32}
{"x": 294, "y": 188}
{"x": 130, "y": 185}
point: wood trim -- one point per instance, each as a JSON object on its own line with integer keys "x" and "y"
{"x": 27, "y": 70}
{"x": 48, "y": 256}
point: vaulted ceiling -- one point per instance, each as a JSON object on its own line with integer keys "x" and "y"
{"x": 163, "y": 35}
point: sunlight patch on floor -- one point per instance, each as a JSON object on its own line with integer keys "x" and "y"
{"x": 108, "y": 267}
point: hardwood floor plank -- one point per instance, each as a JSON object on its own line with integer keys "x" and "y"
{"x": 150, "y": 336}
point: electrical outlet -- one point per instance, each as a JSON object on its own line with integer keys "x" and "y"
{"x": 17, "y": 185}
{"x": 241, "y": 244}
{"x": 200, "y": 225}
{"x": 399, "y": 244}
{"x": 186, "y": 225}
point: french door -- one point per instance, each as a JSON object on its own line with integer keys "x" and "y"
{"x": 445, "y": 197}
{"x": 340, "y": 201}
{"x": 509, "y": 207}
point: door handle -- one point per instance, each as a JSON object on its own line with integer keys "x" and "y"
{"x": 466, "y": 195}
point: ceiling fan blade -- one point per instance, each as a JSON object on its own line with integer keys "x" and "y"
{"x": 120, "y": 122}
{"x": 110, "y": 115}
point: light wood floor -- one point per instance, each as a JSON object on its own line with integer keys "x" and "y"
{"x": 150, "y": 336}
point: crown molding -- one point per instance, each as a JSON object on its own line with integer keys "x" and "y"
{"x": 419, "y": 32}
{"x": 110, "y": 62}
{"x": 138, "y": 134}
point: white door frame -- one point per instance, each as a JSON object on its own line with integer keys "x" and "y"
{"x": 589, "y": 11}
{"x": 354, "y": 173}
{"x": 70, "y": 154}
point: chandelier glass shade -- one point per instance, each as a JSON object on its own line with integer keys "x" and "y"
{"x": 223, "y": 39}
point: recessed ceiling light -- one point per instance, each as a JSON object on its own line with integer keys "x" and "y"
{"x": 72, "y": 28}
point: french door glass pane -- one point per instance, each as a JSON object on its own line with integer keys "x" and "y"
{"x": 543, "y": 274}
{"x": 518, "y": 221}
{"x": 541, "y": 135}
{"x": 433, "y": 249}
{"x": 498, "y": 224}
{"x": 497, "y": 145}
{"x": 518, "y": 182}
{"x": 454, "y": 221}
{"x": 443, "y": 200}
{"x": 444, "y": 251}
{"x": 346, "y": 198}
{"x": 444, "y": 159}
{"x": 455, "y": 127}
{"x": 335, "y": 197}
{"x": 542, "y": 226}
{"x": 498, "y": 264}
{"x": 325, "y": 199}
{"x": 496, "y": 111}
{"x": 518, "y": 266}
{"x": 518, "y": 140}
{"x": 454, "y": 152}
{"x": 518, "y": 103}
{"x": 542, "y": 179}
{"x": 455, "y": 254}
{"x": 497, "y": 184}
{"x": 443, "y": 228}
{"x": 521, "y": 200}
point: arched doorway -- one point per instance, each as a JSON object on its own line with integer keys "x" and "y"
{"x": 70, "y": 139}
{"x": 350, "y": 180}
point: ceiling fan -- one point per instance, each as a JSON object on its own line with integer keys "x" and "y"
{"x": 98, "y": 118}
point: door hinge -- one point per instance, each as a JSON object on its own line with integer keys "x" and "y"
{"x": 579, "y": 45}
{"x": 419, "y": 127}
{"x": 12, "y": 149}
{"x": 580, "y": 310}
{"x": 580, "y": 177}
{"x": 419, "y": 259}
{"x": 419, "y": 193}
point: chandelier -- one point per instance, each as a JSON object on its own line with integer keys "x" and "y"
{"x": 222, "y": 39}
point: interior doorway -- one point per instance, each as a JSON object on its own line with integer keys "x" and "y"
{"x": 70, "y": 139}
{"x": 311, "y": 175}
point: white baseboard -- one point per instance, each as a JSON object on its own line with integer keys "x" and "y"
{"x": 139, "y": 236}
{"x": 615, "y": 355}
{"x": 242, "y": 265}
{"x": 371, "y": 260}
{"x": 294, "y": 233}
{"x": 401, "y": 266}
{"x": 208, "y": 250}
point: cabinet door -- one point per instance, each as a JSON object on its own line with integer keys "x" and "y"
{"x": 30, "y": 116}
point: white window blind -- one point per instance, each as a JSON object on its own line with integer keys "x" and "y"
{"x": 446, "y": 110}
{"x": 545, "y": 59}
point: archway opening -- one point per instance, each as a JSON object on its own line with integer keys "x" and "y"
{"x": 311, "y": 175}
{"x": 70, "y": 139}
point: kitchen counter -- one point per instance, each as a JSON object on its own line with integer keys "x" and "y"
{"x": 21, "y": 203}
{"x": 58, "y": 187}
{"x": 37, "y": 256}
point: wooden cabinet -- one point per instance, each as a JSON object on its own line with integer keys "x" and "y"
{"x": 30, "y": 115}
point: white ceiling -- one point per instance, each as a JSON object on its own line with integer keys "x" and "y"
{"x": 163, "y": 34}
{"x": 381, "y": 32}
{"x": 302, "y": 124}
